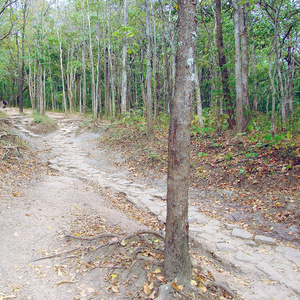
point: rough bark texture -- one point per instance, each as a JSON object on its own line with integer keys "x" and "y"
{"x": 124, "y": 63}
{"x": 245, "y": 64}
{"x": 222, "y": 64}
{"x": 150, "y": 131}
{"x": 240, "y": 122}
{"x": 177, "y": 260}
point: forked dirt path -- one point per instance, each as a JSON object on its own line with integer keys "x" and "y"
{"x": 34, "y": 224}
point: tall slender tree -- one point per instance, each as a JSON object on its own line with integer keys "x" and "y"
{"x": 177, "y": 260}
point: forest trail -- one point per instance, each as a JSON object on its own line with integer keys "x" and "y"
{"x": 77, "y": 190}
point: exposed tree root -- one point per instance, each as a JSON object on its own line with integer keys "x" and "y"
{"x": 135, "y": 259}
{"x": 224, "y": 286}
{"x": 10, "y": 148}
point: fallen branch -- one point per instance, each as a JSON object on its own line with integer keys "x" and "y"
{"x": 65, "y": 281}
{"x": 57, "y": 254}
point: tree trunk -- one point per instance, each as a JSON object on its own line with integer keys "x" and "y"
{"x": 154, "y": 63}
{"x": 222, "y": 64}
{"x": 124, "y": 62}
{"x": 150, "y": 131}
{"x": 253, "y": 56}
{"x": 112, "y": 73}
{"x": 291, "y": 75}
{"x": 199, "y": 99}
{"x": 93, "y": 85}
{"x": 177, "y": 260}
{"x": 83, "y": 69}
{"x": 39, "y": 93}
{"x": 273, "y": 90}
{"x": 240, "y": 120}
{"x": 98, "y": 90}
{"x": 245, "y": 64}
{"x": 31, "y": 86}
{"x": 165, "y": 69}
{"x": 62, "y": 74}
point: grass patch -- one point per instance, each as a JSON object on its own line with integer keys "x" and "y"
{"x": 3, "y": 114}
{"x": 42, "y": 124}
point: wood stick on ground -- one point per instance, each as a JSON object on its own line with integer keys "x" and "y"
{"x": 57, "y": 254}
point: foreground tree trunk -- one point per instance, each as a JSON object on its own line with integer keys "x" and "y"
{"x": 177, "y": 260}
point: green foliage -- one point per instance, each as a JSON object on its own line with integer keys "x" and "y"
{"x": 242, "y": 171}
{"x": 200, "y": 154}
{"x": 37, "y": 118}
{"x": 133, "y": 117}
{"x": 44, "y": 123}
{"x": 250, "y": 155}
{"x": 228, "y": 157}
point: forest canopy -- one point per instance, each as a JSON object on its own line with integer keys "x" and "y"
{"x": 110, "y": 58}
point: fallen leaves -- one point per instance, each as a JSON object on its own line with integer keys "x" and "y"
{"x": 176, "y": 287}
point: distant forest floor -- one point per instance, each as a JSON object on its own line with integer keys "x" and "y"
{"x": 254, "y": 184}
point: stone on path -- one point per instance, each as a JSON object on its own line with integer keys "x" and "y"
{"x": 225, "y": 247}
{"x": 242, "y": 234}
{"x": 261, "y": 239}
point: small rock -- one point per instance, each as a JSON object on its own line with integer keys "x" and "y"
{"x": 246, "y": 257}
{"x": 261, "y": 239}
{"x": 164, "y": 291}
{"x": 251, "y": 243}
{"x": 231, "y": 226}
{"x": 290, "y": 253}
{"x": 242, "y": 234}
{"x": 225, "y": 247}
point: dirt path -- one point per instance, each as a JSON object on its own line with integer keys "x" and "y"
{"x": 86, "y": 189}
{"x": 32, "y": 224}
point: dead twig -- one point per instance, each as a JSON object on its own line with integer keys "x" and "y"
{"x": 65, "y": 281}
{"x": 57, "y": 254}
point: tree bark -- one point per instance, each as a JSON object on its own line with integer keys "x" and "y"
{"x": 62, "y": 74}
{"x": 154, "y": 63}
{"x": 124, "y": 62}
{"x": 177, "y": 260}
{"x": 199, "y": 99}
{"x": 150, "y": 131}
{"x": 229, "y": 106}
{"x": 83, "y": 68}
{"x": 112, "y": 73}
{"x": 245, "y": 64}
{"x": 240, "y": 120}
{"x": 93, "y": 84}
{"x": 98, "y": 90}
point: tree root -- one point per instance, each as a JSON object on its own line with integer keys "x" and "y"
{"x": 224, "y": 286}
{"x": 152, "y": 261}
{"x": 10, "y": 148}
